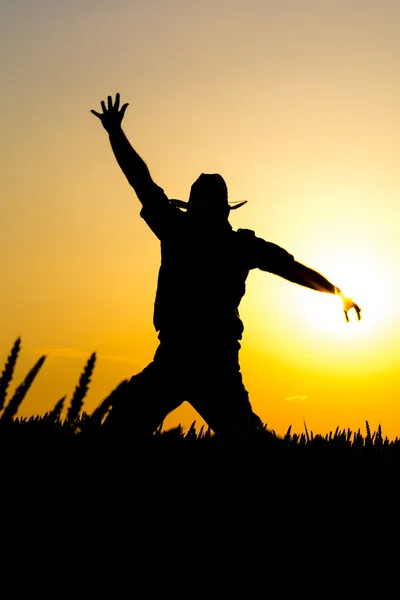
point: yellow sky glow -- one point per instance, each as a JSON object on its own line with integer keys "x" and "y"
{"x": 295, "y": 104}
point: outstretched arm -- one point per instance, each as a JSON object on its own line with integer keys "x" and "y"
{"x": 274, "y": 259}
{"x": 299, "y": 273}
{"x": 132, "y": 165}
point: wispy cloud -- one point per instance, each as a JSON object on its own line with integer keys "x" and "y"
{"x": 296, "y": 398}
{"x": 62, "y": 352}
{"x": 76, "y": 353}
{"x": 119, "y": 359}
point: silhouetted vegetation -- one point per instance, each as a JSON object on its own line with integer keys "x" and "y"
{"x": 79, "y": 437}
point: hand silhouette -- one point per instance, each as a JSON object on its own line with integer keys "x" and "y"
{"x": 349, "y": 304}
{"x": 112, "y": 116}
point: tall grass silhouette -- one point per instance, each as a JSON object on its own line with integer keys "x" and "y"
{"x": 8, "y": 371}
{"x": 78, "y": 425}
{"x": 55, "y": 414}
{"x": 81, "y": 389}
{"x": 10, "y": 410}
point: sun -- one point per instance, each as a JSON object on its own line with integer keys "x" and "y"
{"x": 336, "y": 345}
{"x": 309, "y": 329}
{"x": 368, "y": 283}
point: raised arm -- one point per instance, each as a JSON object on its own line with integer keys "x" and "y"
{"x": 132, "y": 165}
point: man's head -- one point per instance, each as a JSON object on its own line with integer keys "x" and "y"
{"x": 208, "y": 200}
{"x": 209, "y": 195}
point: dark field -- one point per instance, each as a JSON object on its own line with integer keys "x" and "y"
{"x": 71, "y": 451}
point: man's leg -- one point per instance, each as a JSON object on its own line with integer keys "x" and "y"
{"x": 144, "y": 402}
{"x": 218, "y": 394}
{"x": 226, "y": 409}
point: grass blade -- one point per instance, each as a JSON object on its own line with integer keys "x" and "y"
{"x": 80, "y": 391}
{"x": 55, "y": 414}
{"x": 12, "y": 407}
{"x": 8, "y": 371}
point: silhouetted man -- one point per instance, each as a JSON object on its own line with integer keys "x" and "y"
{"x": 204, "y": 266}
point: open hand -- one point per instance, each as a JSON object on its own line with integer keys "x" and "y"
{"x": 112, "y": 115}
{"x": 348, "y": 304}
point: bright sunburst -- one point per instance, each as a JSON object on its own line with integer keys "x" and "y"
{"x": 309, "y": 329}
{"x": 368, "y": 284}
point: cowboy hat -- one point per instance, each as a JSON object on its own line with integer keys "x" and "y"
{"x": 183, "y": 204}
{"x": 209, "y": 190}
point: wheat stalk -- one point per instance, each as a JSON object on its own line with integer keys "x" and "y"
{"x": 96, "y": 418}
{"x": 8, "y": 371}
{"x": 287, "y": 434}
{"x": 368, "y": 439}
{"x": 55, "y": 414}
{"x": 12, "y": 407}
{"x": 307, "y": 436}
{"x": 80, "y": 391}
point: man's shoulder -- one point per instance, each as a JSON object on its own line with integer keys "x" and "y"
{"x": 245, "y": 235}
{"x": 259, "y": 247}
{"x": 160, "y": 214}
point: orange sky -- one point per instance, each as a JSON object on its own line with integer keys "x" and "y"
{"x": 295, "y": 103}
